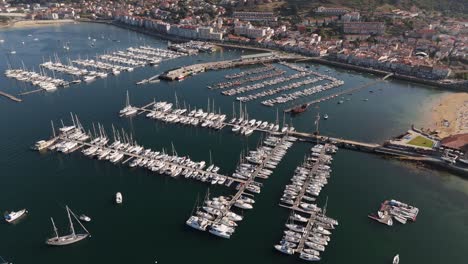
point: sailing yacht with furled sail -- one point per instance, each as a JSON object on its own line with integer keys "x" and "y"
{"x": 67, "y": 239}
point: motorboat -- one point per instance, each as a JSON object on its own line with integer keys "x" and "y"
{"x": 284, "y": 249}
{"x": 85, "y": 218}
{"x": 221, "y": 230}
{"x": 12, "y": 216}
{"x": 309, "y": 257}
{"x": 118, "y": 198}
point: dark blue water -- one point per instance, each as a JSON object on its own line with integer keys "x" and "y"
{"x": 149, "y": 226}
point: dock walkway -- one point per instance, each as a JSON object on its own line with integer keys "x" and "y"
{"x": 249, "y": 181}
{"x": 9, "y": 96}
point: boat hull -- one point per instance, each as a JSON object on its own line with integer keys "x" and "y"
{"x": 65, "y": 240}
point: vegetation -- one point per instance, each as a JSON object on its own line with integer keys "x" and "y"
{"x": 448, "y": 7}
{"x": 421, "y": 141}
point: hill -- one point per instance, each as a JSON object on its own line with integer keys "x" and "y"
{"x": 448, "y": 7}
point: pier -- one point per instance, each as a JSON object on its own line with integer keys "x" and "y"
{"x": 217, "y": 214}
{"x": 11, "y": 97}
{"x": 299, "y": 196}
{"x": 345, "y": 143}
{"x": 253, "y": 176}
{"x": 185, "y": 71}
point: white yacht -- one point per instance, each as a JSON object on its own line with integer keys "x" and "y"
{"x": 13, "y": 216}
{"x": 85, "y": 218}
{"x": 284, "y": 249}
{"x": 43, "y": 144}
{"x": 309, "y": 257}
{"x": 198, "y": 223}
{"x": 243, "y": 205}
{"x": 118, "y": 198}
{"x": 221, "y": 230}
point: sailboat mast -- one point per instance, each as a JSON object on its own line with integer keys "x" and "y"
{"x": 53, "y": 129}
{"x": 55, "y": 228}
{"x": 71, "y": 223}
{"x": 233, "y": 110}
{"x": 76, "y": 218}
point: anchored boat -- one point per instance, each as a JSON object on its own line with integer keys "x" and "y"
{"x": 67, "y": 239}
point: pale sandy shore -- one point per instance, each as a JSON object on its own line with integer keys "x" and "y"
{"x": 449, "y": 115}
{"x": 36, "y": 23}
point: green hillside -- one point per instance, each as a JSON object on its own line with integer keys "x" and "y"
{"x": 448, "y": 7}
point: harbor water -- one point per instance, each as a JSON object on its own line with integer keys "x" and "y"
{"x": 149, "y": 226}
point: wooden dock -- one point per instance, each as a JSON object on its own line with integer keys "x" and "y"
{"x": 348, "y": 91}
{"x": 33, "y": 91}
{"x": 9, "y": 96}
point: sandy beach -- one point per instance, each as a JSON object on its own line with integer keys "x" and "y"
{"x": 449, "y": 115}
{"x": 36, "y": 23}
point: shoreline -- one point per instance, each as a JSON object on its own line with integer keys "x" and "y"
{"x": 449, "y": 115}
{"x": 319, "y": 60}
{"x": 19, "y": 24}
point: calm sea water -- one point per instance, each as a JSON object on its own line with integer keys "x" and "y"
{"x": 150, "y": 225}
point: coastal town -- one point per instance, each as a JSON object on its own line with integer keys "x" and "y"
{"x": 414, "y": 44}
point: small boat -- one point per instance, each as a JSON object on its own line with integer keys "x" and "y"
{"x": 118, "y": 198}
{"x": 13, "y": 216}
{"x": 325, "y": 116}
{"x": 309, "y": 257}
{"x": 299, "y": 109}
{"x": 284, "y": 249}
{"x": 396, "y": 259}
{"x": 85, "y": 218}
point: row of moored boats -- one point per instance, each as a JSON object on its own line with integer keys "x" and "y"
{"x": 273, "y": 73}
{"x": 216, "y": 215}
{"x": 308, "y": 232}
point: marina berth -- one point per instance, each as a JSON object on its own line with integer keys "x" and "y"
{"x": 274, "y": 73}
{"x": 395, "y": 210}
{"x": 218, "y": 211}
{"x": 257, "y": 70}
{"x": 91, "y": 69}
{"x": 308, "y": 227}
{"x": 124, "y": 149}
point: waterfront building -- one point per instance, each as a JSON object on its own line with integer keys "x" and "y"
{"x": 364, "y": 28}
{"x": 255, "y": 16}
{"x": 331, "y": 10}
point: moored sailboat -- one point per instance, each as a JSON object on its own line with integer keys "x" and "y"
{"x": 67, "y": 239}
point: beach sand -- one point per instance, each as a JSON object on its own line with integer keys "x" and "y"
{"x": 449, "y": 115}
{"x": 36, "y": 23}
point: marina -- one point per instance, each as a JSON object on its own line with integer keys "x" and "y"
{"x": 99, "y": 68}
{"x": 124, "y": 149}
{"x": 395, "y": 210}
{"x": 156, "y": 206}
{"x": 209, "y": 118}
{"x": 308, "y": 232}
{"x": 216, "y": 214}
